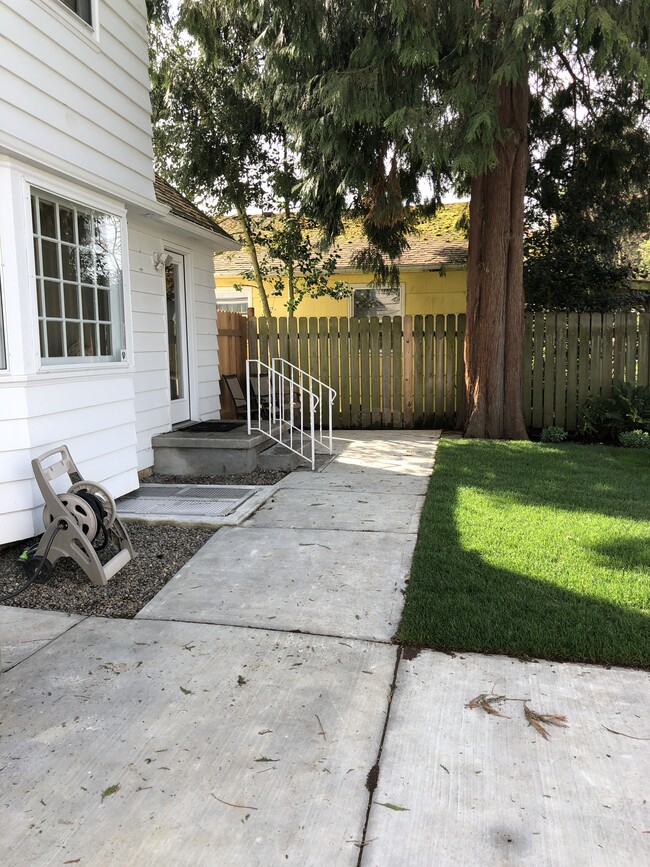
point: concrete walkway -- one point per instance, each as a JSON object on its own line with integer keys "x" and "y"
{"x": 256, "y": 712}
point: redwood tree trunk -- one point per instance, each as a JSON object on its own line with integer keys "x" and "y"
{"x": 495, "y": 296}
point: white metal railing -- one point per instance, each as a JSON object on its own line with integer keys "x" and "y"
{"x": 289, "y": 406}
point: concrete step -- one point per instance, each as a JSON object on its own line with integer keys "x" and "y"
{"x": 277, "y": 457}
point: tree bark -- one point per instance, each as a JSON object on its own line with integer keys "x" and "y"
{"x": 495, "y": 296}
{"x": 250, "y": 245}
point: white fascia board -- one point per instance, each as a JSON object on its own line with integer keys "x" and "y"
{"x": 192, "y": 230}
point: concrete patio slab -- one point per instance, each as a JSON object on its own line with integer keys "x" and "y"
{"x": 23, "y": 632}
{"x": 293, "y": 579}
{"x": 134, "y": 742}
{"x": 338, "y": 477}
{"x": 340, "y": 510}
{"x": 479, "y": 789}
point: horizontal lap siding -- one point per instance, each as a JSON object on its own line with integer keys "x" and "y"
{"x": 93, "y": 415}
{"x": 74, "y": 108}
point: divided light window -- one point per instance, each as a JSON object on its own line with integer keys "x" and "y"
{"x": 82, "y": 8}
{"x": 78, "y": 260}
{"x": 377, "y": 302}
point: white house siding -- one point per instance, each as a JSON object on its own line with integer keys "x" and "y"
{"x": 92, "y": 413}
{"x": 77, "y": 104}
{"x": 149, "y": 310}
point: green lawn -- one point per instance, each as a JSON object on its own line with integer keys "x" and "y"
{"x": 536, "y": 551}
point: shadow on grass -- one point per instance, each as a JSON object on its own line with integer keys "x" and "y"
{"x": 456, "y": 600}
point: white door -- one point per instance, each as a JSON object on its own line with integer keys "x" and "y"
{"x": 177, "y": 338}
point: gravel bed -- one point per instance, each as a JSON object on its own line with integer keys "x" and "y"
{"x": 256, "y": 477}
{"x": 160, "y": 551}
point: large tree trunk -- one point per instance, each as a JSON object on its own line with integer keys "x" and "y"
{"x": 495, "y": 296}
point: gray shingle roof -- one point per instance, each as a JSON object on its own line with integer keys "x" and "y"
{"x": 183, "y": 208}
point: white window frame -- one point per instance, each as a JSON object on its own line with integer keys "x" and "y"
{"x": 366, "y": 286}
{"x": 3, "y": 341}
{"x": 69, "y": 19}
{"x": 119, "y": 294}
{"x": 230, "y": 295}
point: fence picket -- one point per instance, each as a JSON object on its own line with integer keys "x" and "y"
{"x": 398, "y": 372}
{"x": 334, "y": 382}
{"x": 386, "y": 356}
{"x": 375, "y": 390}
{"x": 344, "y": 365}
{"x": 418, "y": 373}
{"x": 408, "y": 372}
{"x": 405, "y": 372}
{"x": 355, "y": 378}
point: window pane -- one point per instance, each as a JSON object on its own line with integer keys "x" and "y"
{"x": 377, "y": 302}
{"x": 104, "y": 305}
{"x": 73, "y": 338}
{"x": 47, "y": 211}
{"x": 69, "y": 262}
{"x": 105, "y": 340}
{"x": 82, "y": 8}
{"x": 88, "y": 302}
{"x": 50, "y": 255}
{"x": 71, "y": 299}
{"x": 90, "y": 341}
{"x": 55, "y": 339}
{"x": 84, "y": 225}
{"x": 52, "y": 299}
{"x": 66, "y": 218}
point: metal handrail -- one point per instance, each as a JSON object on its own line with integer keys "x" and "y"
{"x": 283, "y": 417}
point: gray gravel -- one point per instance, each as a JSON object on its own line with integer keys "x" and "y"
{"x": 160, "y": 550}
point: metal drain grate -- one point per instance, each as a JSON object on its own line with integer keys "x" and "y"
{"x": 200, "y": 500}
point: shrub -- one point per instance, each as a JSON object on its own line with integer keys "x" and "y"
{"x": 607, "y": 417}
{"x": 635, "y": 439}
{"x": 553, "y": 434}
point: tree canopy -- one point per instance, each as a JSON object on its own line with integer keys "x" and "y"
{"x": 375, "y": 95}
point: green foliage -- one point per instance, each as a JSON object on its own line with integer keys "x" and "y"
{"x": 588, "y": 197}
{"x": 553, "y": 434}
{"x": 293, "y": 260}
{"x": 627, "y": 410}
{"x": 635, "y": 439}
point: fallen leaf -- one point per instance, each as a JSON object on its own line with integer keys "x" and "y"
{"x": 111, "y": 790}
{"x": 535, "y": 719}
{"x": 265, "y": 759}
{"x": 485, "y": 701}
{"x": 186, "y": 691}
{"x": 395, "y": 807}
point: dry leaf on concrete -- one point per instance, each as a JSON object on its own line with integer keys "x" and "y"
{"x": 536, "y": 719}
{"x": 486, "y": 701}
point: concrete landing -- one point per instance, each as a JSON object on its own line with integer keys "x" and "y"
{"x": 293, "y": 579}
{"x": 133, "y": 742}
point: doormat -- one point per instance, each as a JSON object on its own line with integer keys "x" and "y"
{"x": 215, "y": 426}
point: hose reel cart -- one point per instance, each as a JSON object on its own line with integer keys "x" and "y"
{"x": 77, "y": 523}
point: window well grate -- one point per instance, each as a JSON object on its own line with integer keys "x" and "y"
{"x": 214, "y": 501}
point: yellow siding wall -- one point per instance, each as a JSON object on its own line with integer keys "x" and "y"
{"x": 424, "y": 292}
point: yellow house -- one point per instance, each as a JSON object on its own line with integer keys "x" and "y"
{"x": 433, "y": 274}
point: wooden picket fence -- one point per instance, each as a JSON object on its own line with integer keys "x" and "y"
{"x": 568, "y": 356}
{"x": 409, "y": 372}
{"x": 232, "y": 329}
